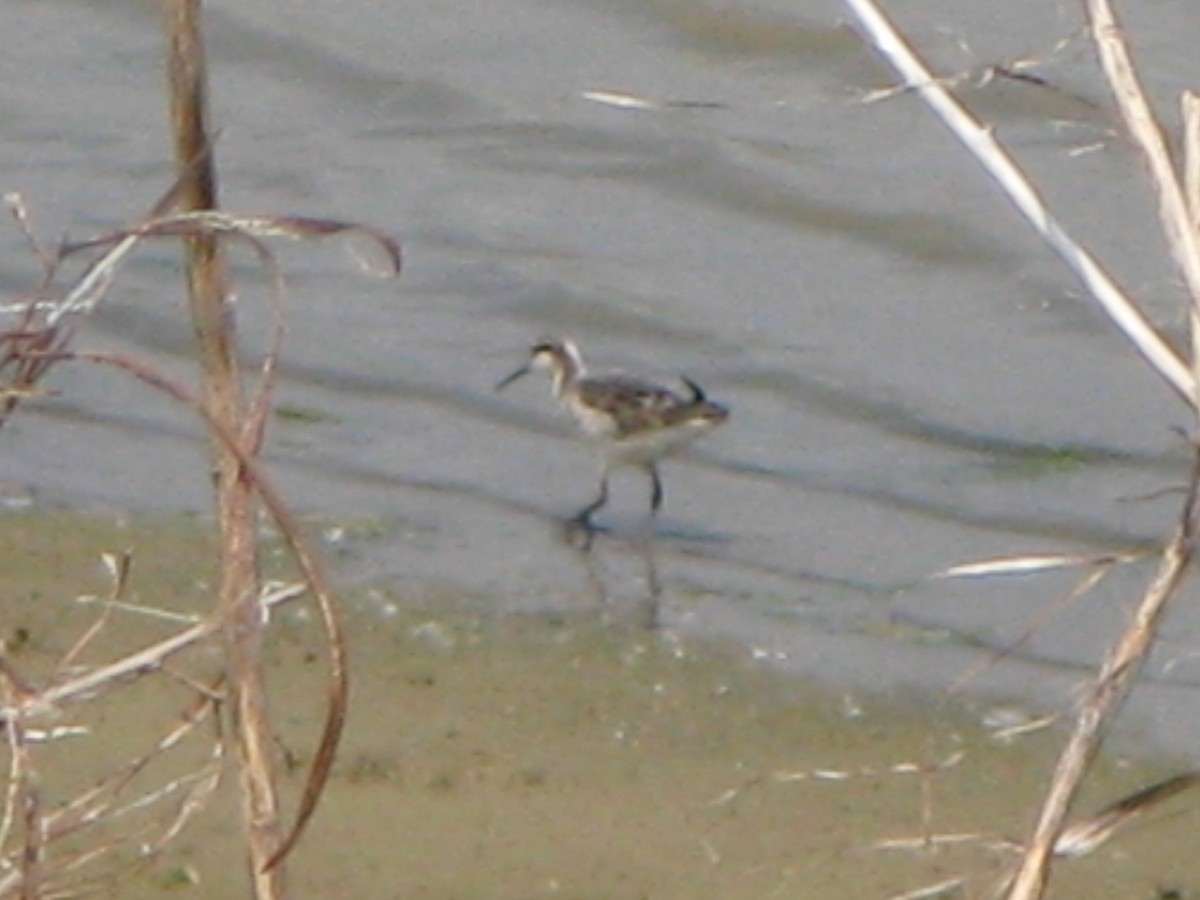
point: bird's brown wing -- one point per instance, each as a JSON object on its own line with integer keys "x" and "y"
{"x": 634, "y": 405}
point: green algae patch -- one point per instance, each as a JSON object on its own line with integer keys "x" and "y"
{"x": 492, "y": 755}
{"x": 1045, "y": 462}
{"x": 303, "y": 415}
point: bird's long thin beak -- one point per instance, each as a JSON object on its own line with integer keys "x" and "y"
{"x": 505, "y": 382}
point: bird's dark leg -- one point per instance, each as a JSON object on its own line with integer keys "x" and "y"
{"x": 584, "y": 516}
{"x": 656, "y": 489}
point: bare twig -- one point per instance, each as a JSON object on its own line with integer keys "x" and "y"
{"x": 89, "y": 807}
{"x": 1082, "y": 587}
{"x": 981, "y": 142}
{"x": 31, "y": 702}
{"x": 1126, "y": 659}
{"x": 1104, "y": 699}
{"x": 1178, "y": 215}
{"x": 120, "y": 574}
{"x": 97, "y": 806}
{"x": 16, "y": 759}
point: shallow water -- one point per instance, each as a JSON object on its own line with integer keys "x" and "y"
{"x": 915, "y": 381}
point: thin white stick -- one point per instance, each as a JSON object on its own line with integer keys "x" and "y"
{"x": 982, "y": 144}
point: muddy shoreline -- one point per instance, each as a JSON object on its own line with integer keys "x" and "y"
{"x": 506, "y": 755}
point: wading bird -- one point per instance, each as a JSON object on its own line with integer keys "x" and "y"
{"x": 632, "y": 422}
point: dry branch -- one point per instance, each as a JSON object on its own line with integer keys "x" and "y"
{"x": 1177, "y": 207}
{"x": 41, "y": 338}
{"x": 213, "y": 323}
{"x": 241, "y": 442}
{"x": 31, "y": 702}
{"x": 1000, "y": 166}
{"x": 1103, "y": 701}
{"x": 65, "y": 871}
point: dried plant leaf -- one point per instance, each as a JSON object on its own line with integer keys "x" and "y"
{"x": 1028, "y": 563}
{"x": 619, "y": 100}
{"x": 1084, "y": 837}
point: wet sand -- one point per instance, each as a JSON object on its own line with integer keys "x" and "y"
{"x": 555, "y": 755}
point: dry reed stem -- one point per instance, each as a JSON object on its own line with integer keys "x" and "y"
{"x": 99, "y": 276}
{"x": 1134, "y": 106}
{"x": 1189, "y": 108}
{"x": 1178, "y": 216}
{"x": 41, "y": 340}
{"x": 1112, "y": 685}
{"x": 212, "y": 320}
{"x": 1000, "y": 166}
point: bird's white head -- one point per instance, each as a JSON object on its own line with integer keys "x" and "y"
{"x": 558, "y": 356}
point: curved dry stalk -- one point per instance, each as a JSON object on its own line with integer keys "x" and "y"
{"x": 47, "y": 345}
{"x": 1096, "y": 830}
{"x": 28, "y": 350}
{"x": 1000, "y": 166}
{"x": 213, "y": 221}
{"x": 310, "y": 568}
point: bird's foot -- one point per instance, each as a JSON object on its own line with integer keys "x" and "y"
{"x": 580, "y": 530}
